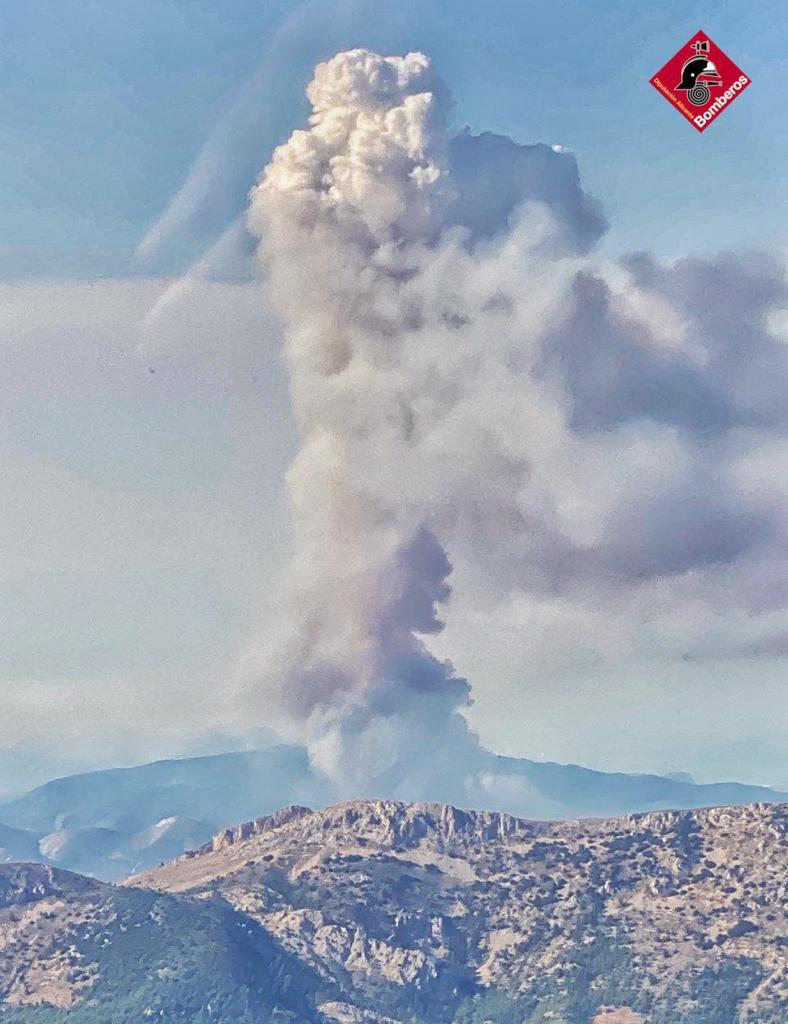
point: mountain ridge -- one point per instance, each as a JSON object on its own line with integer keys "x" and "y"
{"x": 387, "y": 912}
{"x": 96, "y": 822}
{"x": 384, "y": 898}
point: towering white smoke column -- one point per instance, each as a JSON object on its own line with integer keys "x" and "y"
{"x": 347, "y": 211}
{"x": 464, "y": 381}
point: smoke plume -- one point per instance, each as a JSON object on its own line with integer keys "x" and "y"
{"x": 471, "y": 386}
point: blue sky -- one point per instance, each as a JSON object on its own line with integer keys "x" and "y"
{"x": 143, "y": 455}
{"x": 107, "y": 106}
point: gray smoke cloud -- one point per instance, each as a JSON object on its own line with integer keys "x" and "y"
{"x": 471, "y": 386}
{"x": 350, "y": 212}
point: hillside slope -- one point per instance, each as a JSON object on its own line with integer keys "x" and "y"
{"x": 429, "y": 912}
{"x": 81, "y": 951}
{"x": 375, "y": 912}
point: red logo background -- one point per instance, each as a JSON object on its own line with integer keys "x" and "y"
{"x": 669, "y": 76}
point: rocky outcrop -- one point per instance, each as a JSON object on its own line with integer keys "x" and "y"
{"x": 249, "y": 829}
{"x": 407, "y": 905}
{"x": 378, "y": 912}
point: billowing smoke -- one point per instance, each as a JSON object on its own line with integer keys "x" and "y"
{"x": 351, "y": 212}
{"x": 470, "y": 385}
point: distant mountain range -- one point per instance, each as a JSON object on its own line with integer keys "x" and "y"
{"x": 379, "y": 912}
{"x": 112, "y": 823}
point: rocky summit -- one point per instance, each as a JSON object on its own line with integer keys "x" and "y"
{"x": 377, "y": 911}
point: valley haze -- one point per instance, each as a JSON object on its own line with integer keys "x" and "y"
{"x": 112, "y": 823}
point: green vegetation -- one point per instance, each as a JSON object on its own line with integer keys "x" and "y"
{"x": 169, "y": 959}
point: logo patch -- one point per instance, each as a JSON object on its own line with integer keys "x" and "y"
{"x": 700, "y": 81}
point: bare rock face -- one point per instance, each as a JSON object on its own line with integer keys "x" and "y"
{"x": 256, "y": 827}
{"x": 622, "y": 1016}
{"x": 425, "y": 910}
{"x": 344, "y": 1013}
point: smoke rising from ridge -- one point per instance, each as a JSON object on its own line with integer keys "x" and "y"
{"x": 469, "y": 384}
{"x": 348, "y": 211}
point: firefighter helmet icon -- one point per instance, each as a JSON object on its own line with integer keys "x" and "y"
{"x": 698, "y": 75}
{"x": 708, "y": 82}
